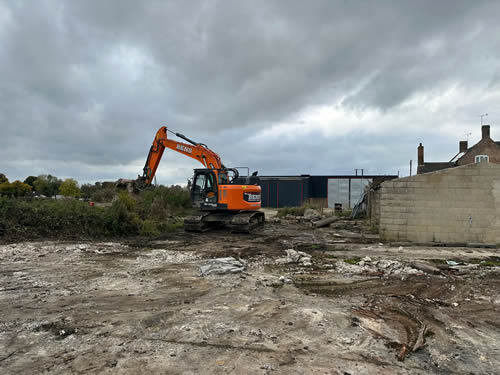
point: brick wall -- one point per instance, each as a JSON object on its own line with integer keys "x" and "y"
{"x": 454, "y": 205}
{"x": 484, "y": 147}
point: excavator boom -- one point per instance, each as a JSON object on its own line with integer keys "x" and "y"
{"x": 198, "y": 151}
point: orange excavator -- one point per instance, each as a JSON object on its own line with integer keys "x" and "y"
{"x": 222, "y": 197}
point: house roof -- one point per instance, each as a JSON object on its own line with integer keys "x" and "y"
{"x": 431, "y": 167}
{"x": 457, "y": 156}
{"x": 478, "y": 144}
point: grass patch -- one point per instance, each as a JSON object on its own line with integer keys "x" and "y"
{"x": 344, "y": 213}
{"x": 354, "y": 260}
{"x": 491, "y": 262}
{"x": 295, "y": 211}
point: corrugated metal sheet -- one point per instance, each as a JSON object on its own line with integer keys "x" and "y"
{"x": 283, "y": 192}
{"x": 338, "y": 192}
{"x": 358, "y": 188}
{"x": 346, "y": 191}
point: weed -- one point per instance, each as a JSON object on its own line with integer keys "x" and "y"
{"x": 490, "y": 263}
{"x": 354, "y": 260}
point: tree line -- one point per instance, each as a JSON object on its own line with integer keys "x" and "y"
{"x": 50, "y": 186}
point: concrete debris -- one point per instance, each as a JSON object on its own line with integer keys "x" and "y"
{"x": 325, "y": 222}
{"x": 294, "y": 256}
{"x": 158, "y": 257}
{"x": 285, "y": 280}
{"x": 385, "y": 266}
{"x": 427, "y": 268}
{"x": 312, "y": 214}
{"x": 221, "y": 266}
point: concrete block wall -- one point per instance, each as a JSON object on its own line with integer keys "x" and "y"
{"x": 373, "y": 208}
{"x": 453, "y": 205}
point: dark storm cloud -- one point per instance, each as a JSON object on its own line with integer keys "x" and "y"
{"x": 89, "y": 82}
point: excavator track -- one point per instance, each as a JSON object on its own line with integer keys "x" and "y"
{"x": 246, "y": 222}
{"x": 238, "y": 222}
{"x": 195, "y": 223}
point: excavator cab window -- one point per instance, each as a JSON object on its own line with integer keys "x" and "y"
{"x": 204, "y": 188}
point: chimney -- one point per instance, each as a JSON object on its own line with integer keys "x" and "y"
{"x": 420, "y": 149}
{"x": 485, "y": 130}
{"x": 462, "y": 146}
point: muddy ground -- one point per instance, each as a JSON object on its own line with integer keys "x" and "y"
{"x": 137, "y": 306}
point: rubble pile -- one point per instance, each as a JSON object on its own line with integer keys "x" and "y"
{"x": 385, "y": 266}
{"x": 294, "y": 256}
{"x": 161, "y": 256}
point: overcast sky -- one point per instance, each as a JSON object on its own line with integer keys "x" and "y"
{"x": 283, "y": 87}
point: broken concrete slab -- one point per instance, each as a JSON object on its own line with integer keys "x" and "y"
{"x": 325, "y": 222}
{"x": 221, "y": 266}
{"x": 427, "y": 268}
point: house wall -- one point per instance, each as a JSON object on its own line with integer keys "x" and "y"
{"x": 454, "y": 205}
{"x": 484, "y": 147}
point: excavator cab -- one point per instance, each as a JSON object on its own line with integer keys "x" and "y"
{"x": 204, "y": 189}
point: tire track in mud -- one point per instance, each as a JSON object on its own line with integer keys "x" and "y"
{"x": 407, "y": 312}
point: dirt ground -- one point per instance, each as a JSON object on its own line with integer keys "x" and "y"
{"x": 361, "y": 307}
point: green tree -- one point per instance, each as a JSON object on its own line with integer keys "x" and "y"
{"x": 20, "y": 189}
{"x": 30, "y": 180}
{"x": 47, "y": 185}
{"x": 87, "y": 190}
{"x": 5, "y": 189}
{"x": 14, "y": 189}
{"x": 3, "y": 178}
{"x": 69, "y": 188}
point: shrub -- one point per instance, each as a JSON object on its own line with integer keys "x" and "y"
{"x": 127, "y": 200}
{"x": 51, "y": 218}
{"x": 149, "y": 214}
{"x": 163, "y": 201}
{"x": 103, "y": 195}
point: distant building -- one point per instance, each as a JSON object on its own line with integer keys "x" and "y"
{"x": 342, "y": 192}
{"x": 485, "y": 150}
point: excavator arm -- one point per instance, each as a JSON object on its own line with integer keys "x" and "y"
{"x": 198, "y": 151}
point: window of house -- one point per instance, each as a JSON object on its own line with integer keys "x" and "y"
{"x": 481, "y": 158}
